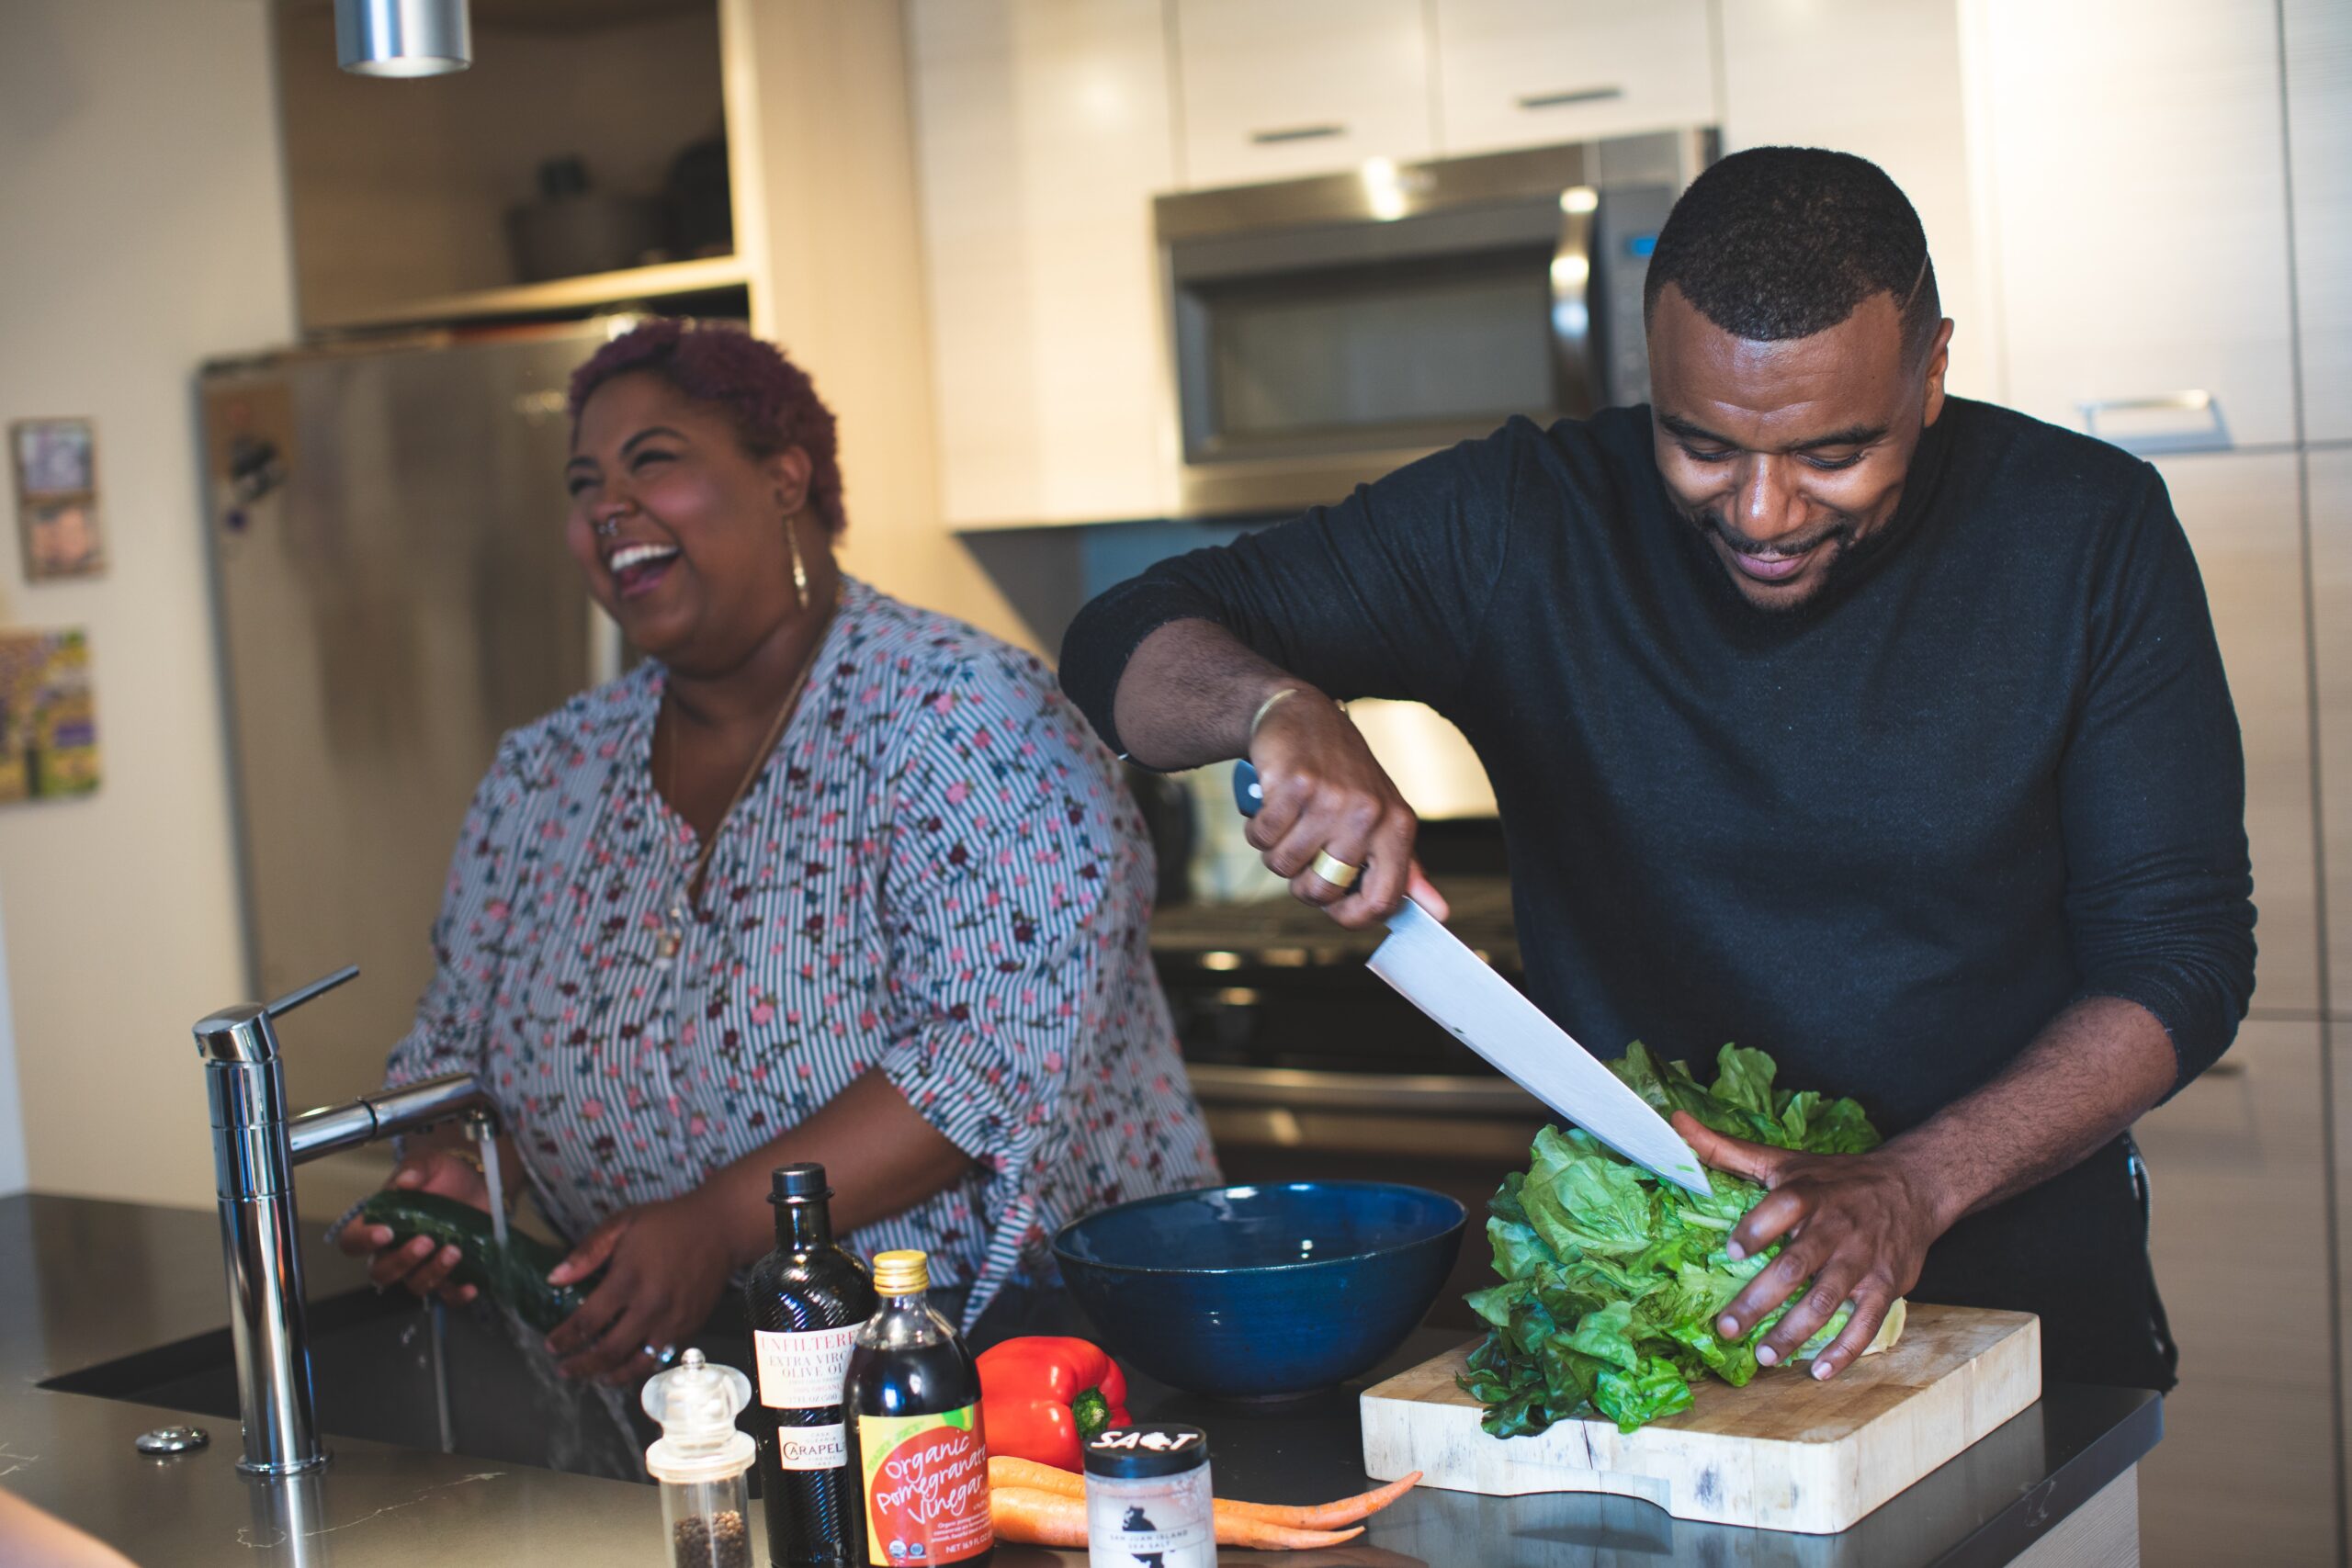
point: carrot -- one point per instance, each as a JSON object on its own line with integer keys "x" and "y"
{"x": 1030, "y": 1516}
{"x": 1027, "y": 1473}
{"x": 1030, "y": 1475}
{"x": 1234, "y": 1530}
{"x": 1327, "y": 1516}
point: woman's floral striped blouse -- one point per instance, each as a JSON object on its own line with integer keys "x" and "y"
{"x": 939, "y": 874}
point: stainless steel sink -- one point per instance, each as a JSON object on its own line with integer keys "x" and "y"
{"x": 460, "y": 1380}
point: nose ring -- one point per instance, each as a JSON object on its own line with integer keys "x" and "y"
{"x": 606, "y": 527}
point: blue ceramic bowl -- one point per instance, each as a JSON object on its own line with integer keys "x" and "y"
{"x": 1261, "y": 1292}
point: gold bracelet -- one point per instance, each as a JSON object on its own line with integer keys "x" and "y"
{"x": 1268, "y": 706}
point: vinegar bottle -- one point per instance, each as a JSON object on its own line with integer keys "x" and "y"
{"x": 807, "y": 1299}
{"x": 913, "y": 1409}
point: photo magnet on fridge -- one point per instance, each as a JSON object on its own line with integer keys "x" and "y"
{"x": 57, "y": 498}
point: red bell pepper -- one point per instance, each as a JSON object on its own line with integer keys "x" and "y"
{"x": 1041, "y": 1396}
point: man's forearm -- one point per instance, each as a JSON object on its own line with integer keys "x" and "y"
{"x": 2096, "y": 1067}
{"x": 1858, "y": 1227}
{"x": 1187, "y": 694}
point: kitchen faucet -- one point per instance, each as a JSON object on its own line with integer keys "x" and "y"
{"x": 255, "y": 1146}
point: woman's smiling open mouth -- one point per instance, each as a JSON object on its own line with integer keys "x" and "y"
{"x": 637, "y": 569}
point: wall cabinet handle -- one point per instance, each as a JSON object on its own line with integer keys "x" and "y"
{"x": 1295, "y": 133}
{"x": 1574, "y": 96}
{"x": 2209, "y": 434}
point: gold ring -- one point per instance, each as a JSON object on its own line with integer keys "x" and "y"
{"x": 1334, "y": 870}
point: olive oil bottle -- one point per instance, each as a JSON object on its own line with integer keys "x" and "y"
{"x": 912, "y": 1409}
{"x": 807, "y": 1299}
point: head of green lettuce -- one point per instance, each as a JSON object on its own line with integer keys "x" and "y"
{"x": 1612, "y": 1280}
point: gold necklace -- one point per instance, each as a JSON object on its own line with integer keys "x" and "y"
{"x": 675, "y": 937}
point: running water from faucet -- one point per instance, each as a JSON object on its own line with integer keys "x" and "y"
{"x": 488, "y": 1134}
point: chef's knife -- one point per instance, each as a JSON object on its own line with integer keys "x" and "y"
{"x": 1431, "y": 968}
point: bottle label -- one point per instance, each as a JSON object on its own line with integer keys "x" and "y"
{"x": 1163, "y": 1523}
{"x": 926, "y": 1486}
{"x": 803, "y": 1371}
{"x": 812, "y": 1447}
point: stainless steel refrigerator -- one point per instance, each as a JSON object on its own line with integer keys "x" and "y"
{"x": 392, "y": 593}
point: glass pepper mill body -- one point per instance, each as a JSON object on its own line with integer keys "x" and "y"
{"x": 700, "y": 1462}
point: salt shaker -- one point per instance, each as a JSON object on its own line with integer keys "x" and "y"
{"x": 700, "y": 1460}
{"x": 1147, "y": 1499}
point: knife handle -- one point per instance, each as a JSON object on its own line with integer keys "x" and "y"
{"x": 1248, "y": 794}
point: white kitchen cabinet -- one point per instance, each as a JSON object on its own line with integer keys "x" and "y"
{"x": 1528, "y": 72}
{"x": 1043, "y": 132}
{"x": 828, "y": 209}
{"x": 2242, "y": 513}
{"x": 2319, "y": 142}
{"x": 1899, "y": 101}
{"x": 2133, "y": 152}
{"x": 2330, "y": 474}
{"x": 2246, "y": 1471}
{"x": 1273, "y": 89}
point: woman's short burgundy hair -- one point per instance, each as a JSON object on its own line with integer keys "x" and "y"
{"x": 771, "y": 401}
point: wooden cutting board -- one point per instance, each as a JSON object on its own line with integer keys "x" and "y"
{"x": 1784, "y": 1453}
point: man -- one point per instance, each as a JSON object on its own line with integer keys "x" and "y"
{"x": 1881, "y": 729}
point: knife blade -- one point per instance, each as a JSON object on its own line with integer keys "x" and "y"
{"x": 1430, "y": 967}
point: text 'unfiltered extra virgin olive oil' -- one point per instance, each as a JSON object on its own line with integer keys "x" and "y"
{"x": 912, "y": 1405}
{"x": 807, "y": 1300}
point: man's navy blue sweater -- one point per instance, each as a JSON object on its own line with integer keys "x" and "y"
{"x": 1887, "y": 836}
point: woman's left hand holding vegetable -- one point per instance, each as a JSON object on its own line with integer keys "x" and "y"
{"x": 665, "y": 1265}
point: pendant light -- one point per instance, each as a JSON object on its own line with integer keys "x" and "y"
{"x": 403, "y": 37}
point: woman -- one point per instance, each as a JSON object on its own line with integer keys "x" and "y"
{"x": 827, "y": 878}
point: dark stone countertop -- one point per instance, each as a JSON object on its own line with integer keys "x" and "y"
{"x": 87, "y": 1282}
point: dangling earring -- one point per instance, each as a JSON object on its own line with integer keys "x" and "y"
{"x": 799, "y": 566}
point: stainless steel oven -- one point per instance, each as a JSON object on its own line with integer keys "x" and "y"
{"x": 1327, "y": 330}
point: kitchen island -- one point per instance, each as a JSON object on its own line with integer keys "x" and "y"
{"x": 97, "y": 1285}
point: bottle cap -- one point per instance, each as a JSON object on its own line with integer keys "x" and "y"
{"x": 901, "y": 1273}
{"x": 797, "y": 1181}
{"x": 696, "y": 1404}
{"x": 1141, "y": 1452}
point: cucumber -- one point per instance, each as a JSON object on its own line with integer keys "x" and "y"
{"x": 515, "y": 1276}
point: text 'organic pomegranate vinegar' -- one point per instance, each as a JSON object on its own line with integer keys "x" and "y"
{"x": 912, "y": 1409}
{"x": 807, "y": 1300}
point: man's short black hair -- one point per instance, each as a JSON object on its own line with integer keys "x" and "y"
{"x": 1779, "y": 243}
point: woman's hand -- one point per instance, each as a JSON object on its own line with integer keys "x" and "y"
{"x": 1324, "y": 791}
{"x": 665, "y": 1265}
{"x": 416, "y": 1264}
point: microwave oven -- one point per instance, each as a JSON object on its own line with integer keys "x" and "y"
{"x": 1324, "y": 331}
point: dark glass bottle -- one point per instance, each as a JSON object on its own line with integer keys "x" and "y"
{"x": 912, "y": 1408}
{"x": 808, "y": 1299}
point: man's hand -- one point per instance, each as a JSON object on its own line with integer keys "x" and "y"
{"x": 1325, "y": 792}
{"x": 665, "y": 1266}
{"x": 1857, "y": 1226}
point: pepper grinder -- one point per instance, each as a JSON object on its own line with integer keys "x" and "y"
{"x": 700, "y": 1460}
